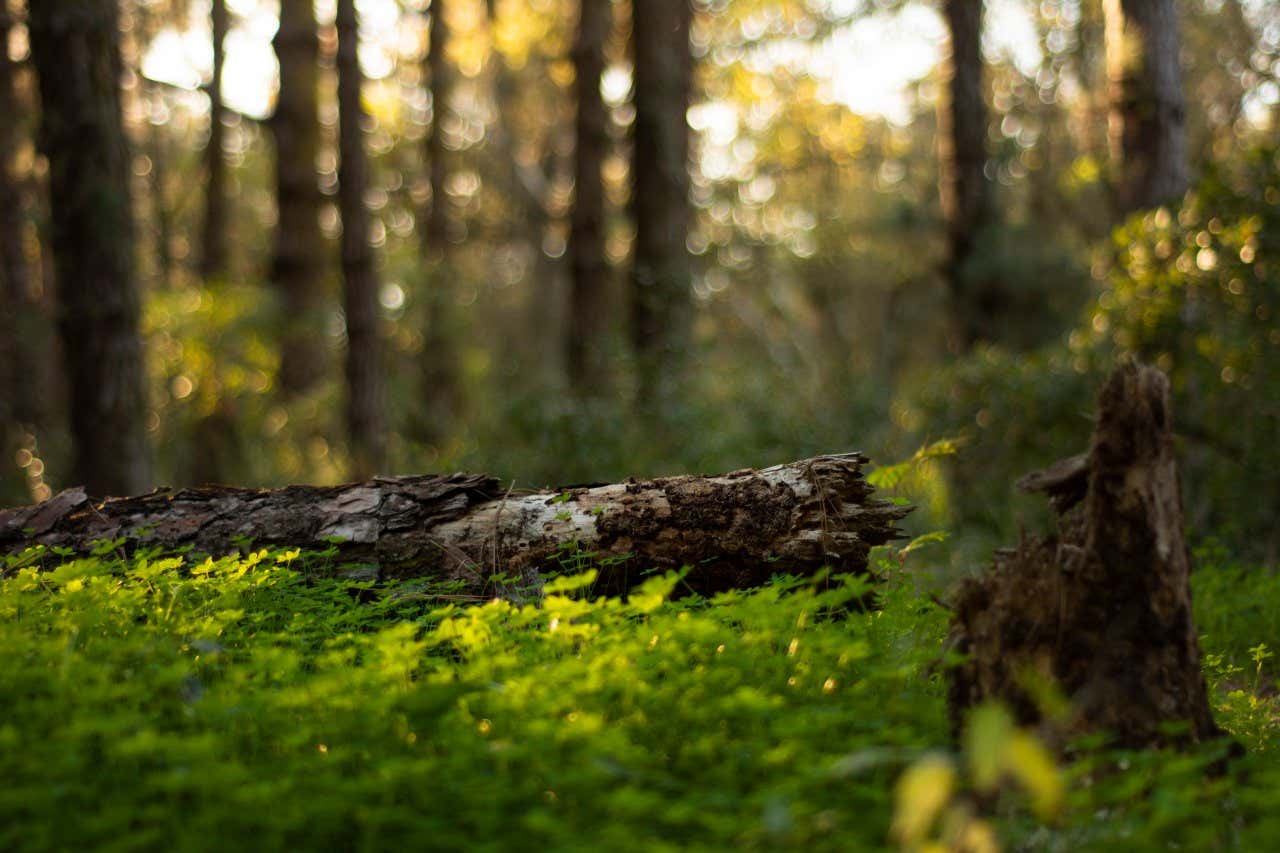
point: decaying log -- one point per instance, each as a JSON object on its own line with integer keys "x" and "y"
{"x": 733, "y": 530}
{"x": 1102, "y": 609}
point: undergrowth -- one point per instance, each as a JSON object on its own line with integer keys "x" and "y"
{"x": 165, "y": 703}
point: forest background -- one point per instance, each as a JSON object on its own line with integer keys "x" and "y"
{"x": 589, "y": 241}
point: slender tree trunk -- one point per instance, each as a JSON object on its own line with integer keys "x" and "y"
{"x": 365, "y": 418}
{"x": 964, "y": 188}
{"x": 590, "y": 267}
{"x": 1147, "y": 121}
{"x": 18, "y": 398}
{"x": 213, "y": 239}
{"x": 299, "y": 250}
{"x": 439, "y": 371}
{"x": 76, "y": 51}
{"x": 660, "y": 278}
{"x": 156, "y": 145}
{"x": 526, "y": 185}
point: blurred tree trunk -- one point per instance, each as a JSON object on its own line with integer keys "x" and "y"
{"x": 527, "y": 186}
{"x": 661, "y": 269}
{"x": 1148, "y": 114}
{"x": 75, "y": 48}
{"x": 156, "y": 145}
{"x": 439, "y": 369}
{"x": 213, "y": 237}
{"x": 19, "y": 400}
{"x": 965, "y": 190}
{"x": 365, "y": 417}
{"x": 587, "y": 259}
{"x": 297, "y": 267}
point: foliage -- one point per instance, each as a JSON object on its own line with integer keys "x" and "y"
{"x": 1197, "y": 291}
{"x": 271, "y": 701}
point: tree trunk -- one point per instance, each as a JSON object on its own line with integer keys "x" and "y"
{"x": 733, "y": 530}
{"x": 661, "y": 270}
{"x": 977, "y": 302}
{"x": 19, "y": 400}
{"x": 365, "y": 418}
{"x": 299, "y": 249}
{"x": 439, "y": 370}
{"x": 76, "y": 51}
{"x": 1102, "y": 610}
{"x": 1147, "y": 122}
{"x": 587, "y": 261}
{"x": 213, "y": 238}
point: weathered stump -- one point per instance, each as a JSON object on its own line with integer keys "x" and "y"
{"x": 732, "y": 530}
{"x": 1102, "y": 609}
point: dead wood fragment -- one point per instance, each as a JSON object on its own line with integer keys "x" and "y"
{"x": 733, "y": 530}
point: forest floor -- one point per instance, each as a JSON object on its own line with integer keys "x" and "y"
{"x": 262, "y": 703}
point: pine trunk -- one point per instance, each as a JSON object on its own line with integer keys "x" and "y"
{"x": 75, "y": 48}
{"x": 1148, "y": 116}
{"x": 977, "y": 303}
{"x": 661, "y": 269}
{"x": 299, "y": 249}
{"x": 365, "y": 417}
{"x": 439, "y": 370}
{"x": 587, "y": 261}
{"x": 213, "y": 240}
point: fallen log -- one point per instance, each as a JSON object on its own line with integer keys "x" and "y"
{"x": 1102, "y": 609}
{"x": 732, "y": 530}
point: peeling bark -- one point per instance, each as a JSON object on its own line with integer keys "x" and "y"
{"x": 734, "y": 530}
{"x": 1102, "y": 609}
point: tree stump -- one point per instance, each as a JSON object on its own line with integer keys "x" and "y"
{"x": 1102, "y": 609}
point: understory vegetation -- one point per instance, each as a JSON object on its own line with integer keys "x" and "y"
{"x": 278, "y": 702}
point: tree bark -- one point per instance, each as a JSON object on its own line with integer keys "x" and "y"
{"x": 587, "y": 261}
{"x": 76, "y": 51}
{"x": 299, "y": 247}
{"x": 439, "y": 371}
{"x": 1102, "y": 610}
{"x": 733, "y": 530}
{"x": 365, "y": 416}
{"x": 213, "y": 236}
{"x": 1148, "y": 115}
{"x": 661, "y": 269}
{"x": 17, "y": 397}
{"x": 19, "y": 366}
{"x": 977, "y": 302}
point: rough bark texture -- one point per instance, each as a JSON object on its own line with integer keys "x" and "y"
{"x": 365, "y": 418}
{"x": 734, "y": 530}
{"x": 1103, "y": 609}
{"x": 1148, "y": 116}
{"x": 76, "y": 52}
{"x": 213, "y": 236}
{"x": 438, "y": 371}
{"x": 660, "y": 276}
{"x": 298, "y": 264}
{"x": 965, "y": 190}
{"x": 587, "y": 261}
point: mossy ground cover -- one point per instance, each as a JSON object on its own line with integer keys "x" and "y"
{"x": 261, "y": 703}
